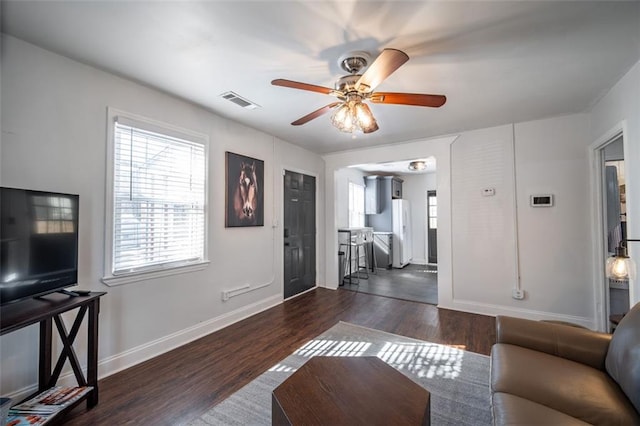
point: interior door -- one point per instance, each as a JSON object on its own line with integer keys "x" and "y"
{"x": 432, "y": 227}
{"x": 299, "y": 233}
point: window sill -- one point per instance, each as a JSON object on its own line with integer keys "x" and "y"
{"x": 116, "y": 280}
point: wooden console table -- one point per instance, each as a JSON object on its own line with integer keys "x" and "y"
{"x": 46, "y": 310}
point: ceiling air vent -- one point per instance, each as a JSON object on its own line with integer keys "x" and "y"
{"x": 239, "y": 100}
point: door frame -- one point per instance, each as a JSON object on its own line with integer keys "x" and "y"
{"x": 598, "y": 232}
{"x": 280, "y": 226}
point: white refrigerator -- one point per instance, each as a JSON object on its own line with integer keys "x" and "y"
{"x": 401, "y": 218}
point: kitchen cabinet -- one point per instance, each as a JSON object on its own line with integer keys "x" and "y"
{"x": 381, "y": 220}
{"x": 372, "y": 195}
{"x": 396, "y": 188}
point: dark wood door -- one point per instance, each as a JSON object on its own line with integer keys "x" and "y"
{"x": 432, "y": 227}
{"x": 299, "y": 233}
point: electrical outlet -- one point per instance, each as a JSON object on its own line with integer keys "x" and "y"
{"x": 225, "y": 296}
{"x": 517, "y": 294}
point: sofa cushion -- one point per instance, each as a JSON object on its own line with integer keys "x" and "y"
{"x": 623, "y": 357}
{"x": 575, "y": 389}
{"x": 577, "y": 344}
{"x": 509, "y": 409}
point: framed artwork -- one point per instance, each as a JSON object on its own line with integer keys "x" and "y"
{"x": 244, "y": 191}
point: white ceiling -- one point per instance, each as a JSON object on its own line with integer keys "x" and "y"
{"x": 497, "y": 62}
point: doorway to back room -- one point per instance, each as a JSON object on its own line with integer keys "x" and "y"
{"x": 384, "y": 249}
{"x": 615, "y": 224}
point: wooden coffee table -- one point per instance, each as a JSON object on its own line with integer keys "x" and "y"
{"x": 349, "y": 390}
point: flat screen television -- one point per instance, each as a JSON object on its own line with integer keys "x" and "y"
{"x": 38, "y": 243}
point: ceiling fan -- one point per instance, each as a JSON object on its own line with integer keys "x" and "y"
{"x": 351, "y": 113}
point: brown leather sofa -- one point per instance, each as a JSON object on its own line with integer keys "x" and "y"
{"x": 553, "y": 374}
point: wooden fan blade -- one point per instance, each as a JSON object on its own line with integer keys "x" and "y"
{"x": 384, "y": 65}
{"x": 302, "y": 86}
{"x": 315, "y": 114}
{"x": 416, "y": 99}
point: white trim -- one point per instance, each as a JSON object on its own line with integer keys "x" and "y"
{"x": 601, "y": 297}
{"x": 114, "y": 115}
{"x": 116, "y": 280}
{"x": 494, "y": 310}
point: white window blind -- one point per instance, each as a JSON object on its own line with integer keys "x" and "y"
{"x": 158, "y": 200}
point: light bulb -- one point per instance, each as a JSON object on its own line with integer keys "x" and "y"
{"x": 363, "y": 115}
{"x": 341, "y": 118}
{"x": 364, "y": 118}
{"x": 620, "y": 268}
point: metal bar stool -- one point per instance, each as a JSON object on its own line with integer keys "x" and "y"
{"x": 360, "y": 243}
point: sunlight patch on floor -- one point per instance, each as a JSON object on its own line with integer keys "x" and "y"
{"x": 280, "y": 368}
{"x": 333, "y": 348}
{"x": 326, "y": 348}
{"x": 425, "y": 360}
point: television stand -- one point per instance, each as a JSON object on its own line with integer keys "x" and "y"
{"x": 47, "y": 311}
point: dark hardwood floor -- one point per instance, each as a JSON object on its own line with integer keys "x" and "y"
{"x": 415, "y": 282}
{"x": 181, "y": 385}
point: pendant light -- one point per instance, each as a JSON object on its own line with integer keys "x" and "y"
{"x": 620, "y": 266}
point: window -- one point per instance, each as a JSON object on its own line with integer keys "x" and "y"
{"x": 356, "y": 205}
{"x": 157, "y": 200}
{"x": 432, "y": 205}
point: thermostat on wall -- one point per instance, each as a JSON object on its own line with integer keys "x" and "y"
{"x": 544, "y": 200}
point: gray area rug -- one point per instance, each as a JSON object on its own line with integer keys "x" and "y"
{"x": 458, "y": 380}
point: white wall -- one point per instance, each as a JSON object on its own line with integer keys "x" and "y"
{"x": 495, "y": 240}
{"x": 555, "y": 242}
{"x": 483, "y": 227}
{"x": 620, "y": 109}
{"x": 54, "y": 138}
{"x": 414, "y": 189}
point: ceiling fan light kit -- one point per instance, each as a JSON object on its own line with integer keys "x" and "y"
{"x": 352, "y": 113}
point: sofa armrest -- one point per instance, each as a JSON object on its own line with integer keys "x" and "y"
{"x": 573, "y": 343}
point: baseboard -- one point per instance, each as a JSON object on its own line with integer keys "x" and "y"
{"x": 131, "y": 357}
{"x": 494, "y": 310}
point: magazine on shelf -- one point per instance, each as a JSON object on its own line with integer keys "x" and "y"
{"x": 28, "y": 419}
{"x": 52, "y": 400}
